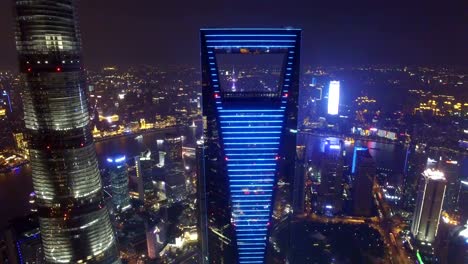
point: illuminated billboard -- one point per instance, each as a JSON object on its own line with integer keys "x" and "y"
{"x": 333, "y": 97}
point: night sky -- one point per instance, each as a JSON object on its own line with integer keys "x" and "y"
{"x": 163, "y": 32}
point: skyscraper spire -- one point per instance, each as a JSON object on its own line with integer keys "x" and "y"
{"x": 74, "y": 221}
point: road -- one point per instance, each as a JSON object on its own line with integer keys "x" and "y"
{"x": 389, "y": 228}
{"x": 385, "y": 224}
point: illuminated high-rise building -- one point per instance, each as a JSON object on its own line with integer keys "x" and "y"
{"x": 119, "y": 182}
{"x": 144, "y": 176}
{"x": 428, "y": 209}
{"x": 333, "y": 97}
{"x": 173, "y": 146}
{"x": 249, "y": 144}
{"x": 331, "y": 176}
{"x": 74, "y": 221}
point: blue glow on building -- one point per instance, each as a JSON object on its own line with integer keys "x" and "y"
{"x": 251, "y": 137}
{"x": 119, "y": 159}
{"x": 356, "y": 149}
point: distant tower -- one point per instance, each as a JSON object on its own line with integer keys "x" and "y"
{"x": 74, "y": 222}
{"x": 333, "y": 97}
{"x": 428, "y": 206}
{"x": 119, "y": 183}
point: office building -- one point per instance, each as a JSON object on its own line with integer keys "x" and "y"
{"x": 144, "y": 176}
{"x": 119, "y": 182}
{"x": 333, "y": 97}
{"x": 452, "y": 173}
{"x": 249, "y": 143}
{"x": 23, "y": 241}
{"x": 173, "y": 147}
{"x": 364, "y": 170}
{"x": 458, "y": 246}
{"x": 74, "y": 221}
{"x": 156, "y": 238}
{"x": 462, "y": 201}
{"x": 301, "y": 171}
{"x": 174, "y": 183}
{"x": 162, "y": 159}
{"x": 429, "y": 202}
{"x": 331, "y": 174}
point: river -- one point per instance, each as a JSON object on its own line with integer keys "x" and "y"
{"x": 16, "y": 186}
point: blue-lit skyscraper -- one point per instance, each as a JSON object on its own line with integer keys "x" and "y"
{"x": 119, "y": 182}
{"x": 250, "y": 143}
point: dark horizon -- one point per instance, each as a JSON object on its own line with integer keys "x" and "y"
{"x": 125, "y": 34}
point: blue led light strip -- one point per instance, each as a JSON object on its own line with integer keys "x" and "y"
{"x": 246, "y": 116}
{"x": 252, "y": 154}
{"x": 251, "y": 132}
{"x": 251, "y": 40}
{"x": 251, "y": 121}
{"x": 251, "y": 149}
{"x": 257, "y": 159}
{"x": 250, "y": 110}
{"x": 251, "y": 143}
{"x": 250, "y": 46}
{"x": 251, "y": 138}
{"x": 250, "y": 127}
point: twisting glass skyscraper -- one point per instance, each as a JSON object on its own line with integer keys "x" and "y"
{"x": 74, "y": 221}
{"x": 250, "y": 126}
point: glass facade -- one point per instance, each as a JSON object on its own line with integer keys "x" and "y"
{"x": 119, "y": 183}
{"x": 249, "y": 148}
{"x": 74, "y": 222}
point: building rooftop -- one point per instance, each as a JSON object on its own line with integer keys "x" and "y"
{"x": 435, "y": 175}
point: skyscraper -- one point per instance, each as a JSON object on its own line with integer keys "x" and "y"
{"x": 331, "y": 175}
{"x": 249, "y": 143}
{"x": 173, "y": 146}
{"x": 428, "y": 206}
{"x": 462, "y": 201}
{"x": 73, "y": 218}
{"x": 333, "y": 97}
{"x": 119, "y": 182}
{"x": 144, "y": 173}
{"x": 364, "y": 170}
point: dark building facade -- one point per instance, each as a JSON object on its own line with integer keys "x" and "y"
{"x": 74, "y": 221}
{"x": 462, "y": 201}
{"x": 249, "y": 146}
{"x": 23, "y": 241}
{"x": 331, "y": 175}
{"x": 364, "y": 170}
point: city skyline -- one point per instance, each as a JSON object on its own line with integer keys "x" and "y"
{"x": 341, "y": 33}
{"x": 267, "y": 152}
